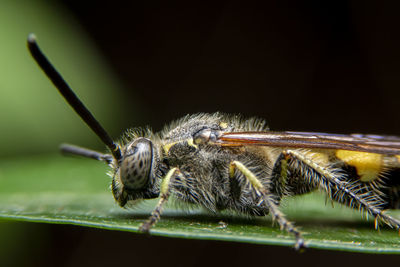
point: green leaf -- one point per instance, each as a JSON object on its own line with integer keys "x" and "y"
{"x": 54, "y": 189}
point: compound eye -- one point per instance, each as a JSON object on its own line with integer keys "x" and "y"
{"x": 136, "y": 165}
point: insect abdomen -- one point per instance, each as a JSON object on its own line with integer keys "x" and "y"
{"x": 368, "y": 166}
{"x": 378, "y": 172}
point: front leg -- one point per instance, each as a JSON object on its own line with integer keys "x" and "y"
{"x": 164, "y": 194}
{"x": 268, "y": 199}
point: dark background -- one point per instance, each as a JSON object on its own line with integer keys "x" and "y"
{"x": 302, "y": 65}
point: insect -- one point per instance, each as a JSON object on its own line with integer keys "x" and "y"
{"x": 225, "y": 162}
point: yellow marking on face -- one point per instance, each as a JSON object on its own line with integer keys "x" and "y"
{"x": 398, "y": 158}
{"x": 223, "y": 125}
{"x": 191, "y": 143}
{"x": 368, "y": 165}
{"x": 168, "y": 146}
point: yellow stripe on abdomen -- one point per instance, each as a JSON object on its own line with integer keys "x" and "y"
{"x": 367, "y": 165}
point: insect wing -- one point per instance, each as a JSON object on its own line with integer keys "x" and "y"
{"x": 389, "y": 145}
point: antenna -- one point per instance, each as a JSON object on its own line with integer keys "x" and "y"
{"x": 68, "y": 149}
{"x": 71, "y": 98}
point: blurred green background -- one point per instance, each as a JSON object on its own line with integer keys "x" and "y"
{"x": 33, "y": 116}
{"x": 309, "y": 65}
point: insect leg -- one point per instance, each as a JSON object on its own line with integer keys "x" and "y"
{"x": 268, "y": 200}
{"x": 338, "y": 189}
{"x": 164, "y": 194}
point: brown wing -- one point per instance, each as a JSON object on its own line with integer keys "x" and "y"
{"x": 389, "y": 145}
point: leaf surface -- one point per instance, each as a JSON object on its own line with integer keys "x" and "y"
{"x": 55, "y": 189}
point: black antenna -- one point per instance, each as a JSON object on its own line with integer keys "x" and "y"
{"x": 70, "y": 96}
{"x": 68, "y": 149}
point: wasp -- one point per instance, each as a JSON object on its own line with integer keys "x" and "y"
{"x": 225, "y": 162}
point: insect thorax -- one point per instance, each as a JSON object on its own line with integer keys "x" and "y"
{"x": 205, "y": 165}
